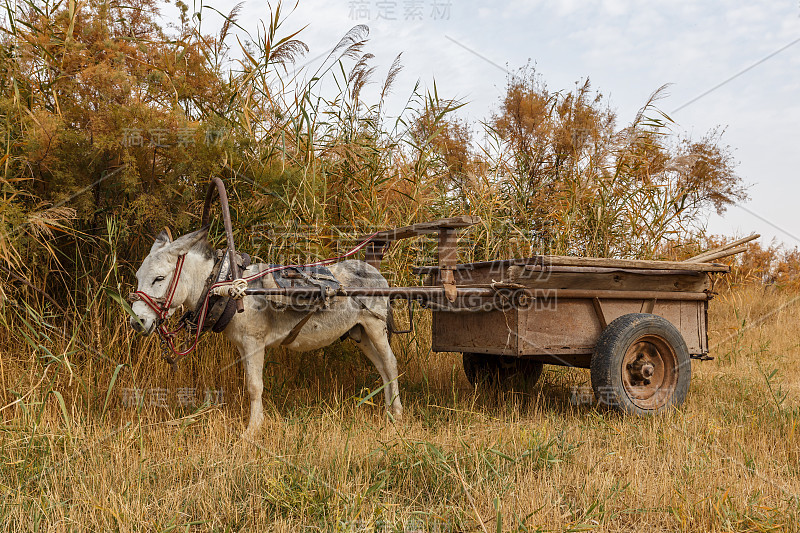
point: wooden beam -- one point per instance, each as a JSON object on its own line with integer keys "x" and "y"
{"x": 448, "y": 258}
{"x": 546, "y": 261}
{"x": 598, "y": 310}
{"x": 720, "y": 254}
{"x": 487, "y": 292}
{"x": 423, "y": 228}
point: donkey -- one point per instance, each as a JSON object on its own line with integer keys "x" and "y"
{"x": 262, "y": 325}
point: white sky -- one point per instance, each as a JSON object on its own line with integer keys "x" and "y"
{"x": 627, "y": 48}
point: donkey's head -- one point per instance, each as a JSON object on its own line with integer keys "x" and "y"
{"x": 155, "y": 276}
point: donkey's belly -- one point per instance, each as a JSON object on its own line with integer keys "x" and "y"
{"x": 310, "y": 344}
{"x": 322, "y": 329}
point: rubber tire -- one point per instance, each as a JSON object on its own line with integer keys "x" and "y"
{"x": 505, "y": 372}
{"x": 614, "y": 341}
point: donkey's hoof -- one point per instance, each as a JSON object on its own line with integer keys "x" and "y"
{"x": 253, "y": 426}
{"x": 250, "y": 434}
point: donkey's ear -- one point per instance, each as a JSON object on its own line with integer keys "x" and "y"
{"x": 186, "y": 242}
{"x": 162, "y": 239}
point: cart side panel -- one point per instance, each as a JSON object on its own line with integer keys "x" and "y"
{"x": 560, "y": 327}
{"x": 566, "y": 327}
{"x": 619, "y": 280}
{"x": 492, "y": 332}
{"x": 573, "y": 325}
{"x": 694, "y": 326}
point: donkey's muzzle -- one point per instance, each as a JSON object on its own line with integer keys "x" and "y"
{"x": 142, "y": 326}
{"x": 137, "y": 325}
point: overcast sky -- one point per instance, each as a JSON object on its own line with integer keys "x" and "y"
{"x": 627, "y": 48}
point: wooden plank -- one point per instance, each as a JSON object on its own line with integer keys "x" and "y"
{"x": 621, "y": 280}
{"x": 573, "y": 294}
{"x": 641, "y": 280}
{"x": 690, "y": 326}
{"x": 606, "y": 270}
{"x": 629, "y": 263}
{"x": 487, "y": 332}
{"x": 598, "y": 310}
{"x": 423, "y": 228}
{"x": 548, "y": 261}
{"x": 703, "y": 257}
{"x": 564, "y": 327}
{"x": 720, "y": 254}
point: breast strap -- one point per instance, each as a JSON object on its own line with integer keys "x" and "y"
{"x": 221, "y": 309}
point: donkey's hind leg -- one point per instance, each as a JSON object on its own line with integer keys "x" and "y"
{"x": 375, "y": 345}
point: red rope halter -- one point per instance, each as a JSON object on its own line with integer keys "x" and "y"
{"x": 162, "y": 309}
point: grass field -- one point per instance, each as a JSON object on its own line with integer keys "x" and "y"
{"x": 75, "y": 457}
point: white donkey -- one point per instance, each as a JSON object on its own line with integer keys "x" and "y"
{"x": 261, "y": 325}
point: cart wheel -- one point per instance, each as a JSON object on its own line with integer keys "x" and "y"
{"x": 506, "y": 372}
{"x": 641, "y": 365}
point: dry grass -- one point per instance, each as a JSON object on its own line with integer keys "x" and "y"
{"x": 459, "y": 461}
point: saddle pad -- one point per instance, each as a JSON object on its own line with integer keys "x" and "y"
{"x": 314, "y": 277}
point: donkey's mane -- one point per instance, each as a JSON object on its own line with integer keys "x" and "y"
{"x": 203, "y": 249}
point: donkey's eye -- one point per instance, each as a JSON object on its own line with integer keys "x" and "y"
{"x": 158, "y": 278}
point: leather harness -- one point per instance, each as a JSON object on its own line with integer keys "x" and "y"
{"x": 225, "y": 288}
{"x": 220, "y": 308}
{"x": 319, "y": 277}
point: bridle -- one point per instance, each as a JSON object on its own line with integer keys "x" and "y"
{"x": 161, "y": 306}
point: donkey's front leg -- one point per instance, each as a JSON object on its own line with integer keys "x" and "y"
{"x": 252, "y": 354}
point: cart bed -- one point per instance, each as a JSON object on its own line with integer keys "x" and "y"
{"x": 574, "y": 300}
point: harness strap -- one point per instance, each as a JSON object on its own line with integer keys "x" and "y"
{"x": 161, "y": 306}
{"x": 221, "y": 309}
{"x": 295, "y": 331}
{"x": 226, "y": 317}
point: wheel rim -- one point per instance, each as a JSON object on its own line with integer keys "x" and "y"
{"x": 650, "y": 372}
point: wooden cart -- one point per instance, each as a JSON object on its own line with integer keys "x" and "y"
{"x": 635, "y": 324}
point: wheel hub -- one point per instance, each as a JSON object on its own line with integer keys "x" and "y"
{"x": 641, "y": 369}
{"x": 649, "y": 372}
